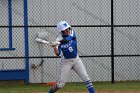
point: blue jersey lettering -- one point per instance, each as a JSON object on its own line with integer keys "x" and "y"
{"x": 69, "y": 49}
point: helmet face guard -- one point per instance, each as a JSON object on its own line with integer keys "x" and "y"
{"x": 66, "y": 32}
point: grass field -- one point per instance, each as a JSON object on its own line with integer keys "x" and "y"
{"x": 70, "y": 87}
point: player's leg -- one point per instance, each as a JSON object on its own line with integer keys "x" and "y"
{"x": 66, "y": 67}
{"x": 80, "y": 69}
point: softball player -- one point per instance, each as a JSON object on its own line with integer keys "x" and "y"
{"x": 70, "y": 60}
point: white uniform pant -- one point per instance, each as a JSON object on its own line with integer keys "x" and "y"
{"x": 75, "y": 64}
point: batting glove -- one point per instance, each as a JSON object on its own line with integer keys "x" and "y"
{"x": 55, "y": 43}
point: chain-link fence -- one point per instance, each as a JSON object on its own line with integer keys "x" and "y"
{"x": 107, "y": 33}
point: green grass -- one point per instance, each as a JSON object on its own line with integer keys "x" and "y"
{"x": 71, "y": 87}
{"x": 119, "y": 86}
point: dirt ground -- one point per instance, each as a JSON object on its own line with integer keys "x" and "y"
{"x": 99, "y": 92}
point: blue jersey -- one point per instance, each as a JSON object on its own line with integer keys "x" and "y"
{"x": 69, "y": 49}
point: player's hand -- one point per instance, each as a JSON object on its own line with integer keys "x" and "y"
{"x": 55, "y": 44}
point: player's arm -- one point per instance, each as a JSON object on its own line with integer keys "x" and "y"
{"x": 63, "y": 41}
{"x": 56, "y": 50}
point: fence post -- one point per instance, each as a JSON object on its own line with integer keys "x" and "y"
{"x": 26, "y": 41}
{"x": 10, "y": 22}
{"x": 112, "y": 44}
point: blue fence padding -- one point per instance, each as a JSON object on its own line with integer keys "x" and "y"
{"x": 12, "y": 75}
